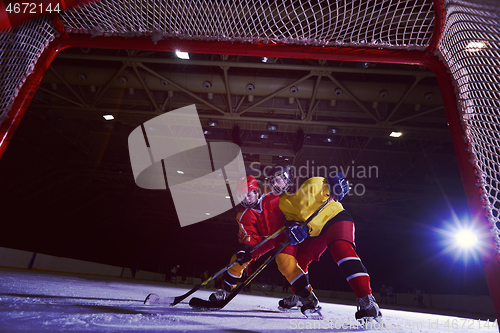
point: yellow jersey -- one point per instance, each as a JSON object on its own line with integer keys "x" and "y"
{"x": 300, "y": 205}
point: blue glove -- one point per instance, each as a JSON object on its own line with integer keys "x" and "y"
{"x": 296, "y": 233}
{"x": 338, "y": 186}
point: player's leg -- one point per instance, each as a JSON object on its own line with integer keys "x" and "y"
{"x": 357, "y": 276}
{"x": 230, "y": 280}
{"x": 291, "y": 267}
{"x": 234, "y": 273}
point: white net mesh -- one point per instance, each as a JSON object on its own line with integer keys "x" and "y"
{"x": 19, "y": 52}
{"x": 386, "y": 23}
{"x": 470, "y": 47}
{"x": 382, "y": 24}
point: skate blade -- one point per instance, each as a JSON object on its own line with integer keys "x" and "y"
{"x": 367, "y": 322}
{"x": 314, "y": 314}
{"x": 294, "y": 308}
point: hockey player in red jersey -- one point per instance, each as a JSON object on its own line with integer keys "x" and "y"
{"x": 251, "y": 202}
{"x": 331, "y": 228}
{"x": 254, "y": 228}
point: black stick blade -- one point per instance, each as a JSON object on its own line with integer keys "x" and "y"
{"x": 198, "y": 303}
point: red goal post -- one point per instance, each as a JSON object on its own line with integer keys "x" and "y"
{"x": 456, "y": 39}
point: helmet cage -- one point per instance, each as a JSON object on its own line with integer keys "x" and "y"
{"x": 244, "y": 197}
{"x": 286, "y": 174}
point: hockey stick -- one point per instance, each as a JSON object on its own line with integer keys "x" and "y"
{"x": 178, "y": 299}
{"x": 217, "y": 305}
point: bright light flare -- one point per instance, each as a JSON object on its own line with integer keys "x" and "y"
{"x": 466, "y": 239}
{"x": 462, "y": 239}
{"x": 182, "y": 55}
{"x": 475, "y": 46}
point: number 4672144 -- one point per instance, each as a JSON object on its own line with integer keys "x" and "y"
{"x": 31, "y": 8}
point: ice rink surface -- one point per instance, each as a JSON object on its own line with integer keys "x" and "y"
{"x": 50, "y": 302}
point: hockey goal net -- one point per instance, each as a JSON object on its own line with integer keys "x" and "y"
{"x": 457, "y": 39}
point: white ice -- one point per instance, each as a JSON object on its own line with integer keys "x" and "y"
{"x": 50, "y": 302}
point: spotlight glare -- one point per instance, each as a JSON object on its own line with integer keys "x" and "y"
{"x": 182, "y": 55}
{"x": 465, "y": 238}
{"x": 475, "y": 46}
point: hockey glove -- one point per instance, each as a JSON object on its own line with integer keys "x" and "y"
{"x": 244, "y": 255}
{"x": 338, "y": 186}
{"x": 296, "y": 233}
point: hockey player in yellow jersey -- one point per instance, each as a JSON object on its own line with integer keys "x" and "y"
{"x": 332, "y": 228}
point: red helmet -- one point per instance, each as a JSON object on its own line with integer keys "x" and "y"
{"x": 248, "y": 191}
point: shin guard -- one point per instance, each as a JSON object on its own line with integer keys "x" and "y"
{"x": 351, "y": 266}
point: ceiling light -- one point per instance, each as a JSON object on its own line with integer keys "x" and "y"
{"x": 180, "y": 172}
{"x": 207, "y": 132}
{"x": 108, "y": 117}
{"x": 122, "y": 79}
{"x": 383, "y": 93}
{"x": 475, "y": 46}
{"x": 228, "y": 197}
{"x": 250, "y": 87}
{"x": 332, "y": 130}
{"x": 82, "y": 76}
{"x": 212, "y": 123}
{"x": 328, "y": 140}
{"x": 182, "y": 55}
{"x": 207, "y": 84}
{"x": 338, "y": 91}
{"x": 207, "y": 214}
{"x": 269, "y": 60}
{"x": 396, "y": 134}
{"x": 272, "y": 127}
{"x": 263, "y": 136}
{"x": 294, "y": 89}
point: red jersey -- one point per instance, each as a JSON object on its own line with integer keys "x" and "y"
{"x": 247, "y": 222}
{"x": 259, "y": 222}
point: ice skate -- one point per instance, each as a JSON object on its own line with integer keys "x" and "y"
{"x": 310, "y": 307}
{"x": 219, "y": 295}
{"x": 289, "y": 302}
{"x": 368, "y": 309}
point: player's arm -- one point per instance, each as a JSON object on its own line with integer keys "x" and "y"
{"x": 339, "y": 187}
{"x": 248, "y": 228}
